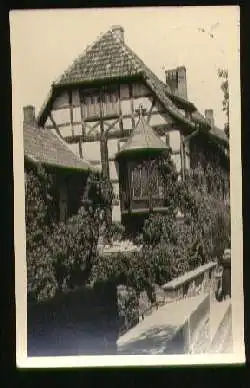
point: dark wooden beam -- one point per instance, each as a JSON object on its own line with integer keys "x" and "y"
{"x": 91, "y": 129}
{"x": 80, "y": 148}
{"x": 117, "y": 134}
{"x": 55, "y": 126}
{"x": 103, "y": 142}
{"x": 111, "y": 117}
{"x": 151, "y": 110}
{"x": 131, "y": 98}
{"x": 120, "y": 110}
{"x": 71, "y": 112}
{"x": 110, "y": 126}
{"x": 182, "y": 157}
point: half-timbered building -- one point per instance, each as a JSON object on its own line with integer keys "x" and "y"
{"x": 93, "y": 107}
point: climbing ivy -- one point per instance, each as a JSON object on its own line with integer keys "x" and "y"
{"x": 41, "y": 281}
{"x": 60, "y": 254}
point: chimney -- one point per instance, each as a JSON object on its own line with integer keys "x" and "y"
{"x": 209, "y": 115}
{"x": 177, "y": 81}
{"x": 29, "y": 117}
{"x": 118, "y": 32}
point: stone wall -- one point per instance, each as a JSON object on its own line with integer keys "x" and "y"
{"x": 191, "y": 284}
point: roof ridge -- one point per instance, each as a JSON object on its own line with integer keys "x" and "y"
{"x": 83, "y": 54}
{"x": 148, "y": 73}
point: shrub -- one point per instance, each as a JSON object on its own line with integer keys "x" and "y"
{"x": 41, "y": 281}
{"x": 128, "y": 308}
{"x": 60, "y": 255}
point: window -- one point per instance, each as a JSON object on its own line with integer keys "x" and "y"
{"x": 110, "y": 103}
{"x": 91, "y": 103}
{"x": 146, "y": 183}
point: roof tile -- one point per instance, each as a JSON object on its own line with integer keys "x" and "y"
{"x": 42, "y": 146}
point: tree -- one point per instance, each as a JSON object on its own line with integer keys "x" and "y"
{"x": 223, "y": 75}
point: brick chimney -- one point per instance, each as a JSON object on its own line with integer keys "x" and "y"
{"x": 29, "y": 117}
{"x": 209, "y": 115}
{"x": 118, "y": 32}
{"x": 177, "y": 81}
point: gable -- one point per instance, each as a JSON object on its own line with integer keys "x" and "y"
{"x": 109, "y": 59}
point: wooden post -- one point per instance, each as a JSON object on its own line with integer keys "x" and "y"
{"x": 151, "y": 110}
{"x": 83, "y": 139}
{"x": 132, "y": 105}
{"x": 103, "y": 142}
{"x": 71, "y": 112}
{"x": 182, "y": 157}
{"x": 120, "y": 111}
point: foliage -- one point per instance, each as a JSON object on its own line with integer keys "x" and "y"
{"x": 223, "y": 75}
{"x": 41, "y": 281}
{"x": 128, "y": 307}
{"x": 74, "y": 243}
{"x": 60, "y": 255}
{"x": 115, "y": 231}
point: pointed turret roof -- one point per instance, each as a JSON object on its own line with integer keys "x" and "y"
{"x": 143, "y": 138}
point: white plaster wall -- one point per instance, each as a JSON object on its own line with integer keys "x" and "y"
{"x": 116, "y": 214}
{"x": 126, "y": 107}
{"x": 66, "y": 131}
{"x": 77, "y": 114}
{"x": 177, "y": 161}
{"x": 113, "y": 171}
{"x": 144, "y": 101}
{"x": 61, "y": 116}
{"x": 127, "y": 123}
{"x": 77, "y": 129}
{"x": 61, "y": 101}
{"x": 91, "y": 150}
{"x": 112, "y": 147}
{"x": 157, "y": 119}
{"x": 174, "y": 140}
{"x": 48, "y": 122}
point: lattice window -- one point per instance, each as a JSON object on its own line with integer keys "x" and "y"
{"x": 146, "y": 182}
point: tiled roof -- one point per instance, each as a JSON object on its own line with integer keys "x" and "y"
{"x": 143, "y": 137}
{"x": 110, "y": 58}
{"x": 42, "y": 146}
{"x": 214, "y": 131}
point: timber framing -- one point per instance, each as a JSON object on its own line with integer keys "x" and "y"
{"x": 161, "y": 130}
{"x": 116, "y": 117}
{"x": 150, "y": 113}
{"x": 55, "y": 126}
{"x": 131, "y": 98}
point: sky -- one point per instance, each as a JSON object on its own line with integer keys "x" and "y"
{"x": 45, "y": 42}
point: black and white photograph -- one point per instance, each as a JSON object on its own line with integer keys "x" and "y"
{"x": 127, "y": 180}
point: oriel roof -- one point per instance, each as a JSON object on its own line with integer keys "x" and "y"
{"x": 42, "y": 146}
{"x": 109, "y": 58}
{"x": 142, "y": 138}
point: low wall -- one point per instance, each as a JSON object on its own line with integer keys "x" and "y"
{"x": 222, "y": 338}
{"x": 191, "y": 283}
{"x": 169, "y": 330}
